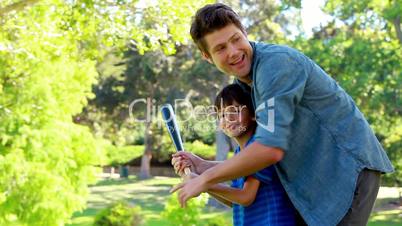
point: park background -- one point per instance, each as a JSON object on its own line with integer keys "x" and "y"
{"x": 73, "y": 152}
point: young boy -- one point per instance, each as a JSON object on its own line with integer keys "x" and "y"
{"x": 258, "y": 199}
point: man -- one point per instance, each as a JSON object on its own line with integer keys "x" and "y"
{"x": 328, "y": 159}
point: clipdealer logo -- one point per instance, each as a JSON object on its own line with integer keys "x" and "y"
{"x": 268, "y": 106}
{"x": 148, "y": 111}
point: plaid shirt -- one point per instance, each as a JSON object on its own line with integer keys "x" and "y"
{"x": 271, "y": 205}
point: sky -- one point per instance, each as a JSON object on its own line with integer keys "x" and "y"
{"x": 311, "y": 13}
{"x": 312, "y": 16}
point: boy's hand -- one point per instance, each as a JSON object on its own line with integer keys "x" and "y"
{"x": 182, "y": 159}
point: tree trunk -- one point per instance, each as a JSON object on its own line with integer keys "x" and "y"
{"x": 145, "y": 170}
{"x": 397, "y": 25}
{"x": 223, "y": 145}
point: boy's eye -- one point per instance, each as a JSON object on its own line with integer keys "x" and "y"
{"x": 230, "y": 113}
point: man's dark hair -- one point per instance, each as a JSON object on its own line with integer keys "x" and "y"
{"x": 210, "y": 18}
{"x": 232, "y": 93}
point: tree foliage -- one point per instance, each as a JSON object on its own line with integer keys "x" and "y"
{"x": 55, "y": 55}
{"x": 49, "y": 50}
{"x": 360, "y": 49}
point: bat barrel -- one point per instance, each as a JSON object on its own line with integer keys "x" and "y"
{"x": 171, "y": 124}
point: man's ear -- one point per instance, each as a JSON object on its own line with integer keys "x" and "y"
{"x": 206, "y": 57}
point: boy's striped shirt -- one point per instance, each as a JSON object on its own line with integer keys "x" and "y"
{"x": 271, "y": 205}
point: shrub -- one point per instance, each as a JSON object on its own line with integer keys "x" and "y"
{"x": 120, "y": 155}
{"x": 202, "y": 129}
{"x": 119, "y": 214}
{"x": 218, "y": 221}
{"x": 188, "y": 216}
{"x": 201, "y": 149}
{"x": 197, "y": 147}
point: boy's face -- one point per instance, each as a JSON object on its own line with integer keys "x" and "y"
{"x": 235, "y": 120}
{"x": 230, "y": 51}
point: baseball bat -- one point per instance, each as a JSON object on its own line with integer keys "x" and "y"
{"x": 173, "y": 129}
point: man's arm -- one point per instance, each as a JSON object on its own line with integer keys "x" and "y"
{"x": 244, "y": 197}
{"x": 217, "y": 197}
{"x": 254, "y": 158}
{"x": 207, "y": 165}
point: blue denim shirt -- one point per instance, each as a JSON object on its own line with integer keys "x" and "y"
{"x": 326, "y": 139}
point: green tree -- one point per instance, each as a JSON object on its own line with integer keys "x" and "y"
{"x": 45, "y": 163}
{"x": 362, "y": 51}
{"x": 49, "y": 50}
{"x": 130, "y": 75}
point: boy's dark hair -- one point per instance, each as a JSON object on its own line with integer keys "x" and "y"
{"x": 231, "y": 93}
{"x": 210, "y": 18}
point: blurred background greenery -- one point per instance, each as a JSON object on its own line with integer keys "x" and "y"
{"x": 69, "y": 70}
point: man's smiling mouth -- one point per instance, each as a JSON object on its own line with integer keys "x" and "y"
{"x": 239, "y": 61}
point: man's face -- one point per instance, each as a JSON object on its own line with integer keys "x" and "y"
{"x": 230, "y": 51}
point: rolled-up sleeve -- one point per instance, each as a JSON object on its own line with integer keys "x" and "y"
{"x": 279, "y": 86}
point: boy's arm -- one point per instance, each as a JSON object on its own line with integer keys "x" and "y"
{"x": 244, "y": 197}
{"x": 208, "y": 164}
{"x": 221, "y": 200}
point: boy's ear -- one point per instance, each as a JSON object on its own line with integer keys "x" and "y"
{"x": 206, "y": 57}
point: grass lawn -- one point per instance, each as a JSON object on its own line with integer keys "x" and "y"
{"x": 151, "y": 195}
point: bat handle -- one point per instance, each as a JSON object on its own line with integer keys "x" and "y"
{"x": 187, "y": 171}
{"x": 186, "y": 175}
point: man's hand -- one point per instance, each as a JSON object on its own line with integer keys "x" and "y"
{"x": 182, "y": 159}
{"x": 189, "y": 189}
